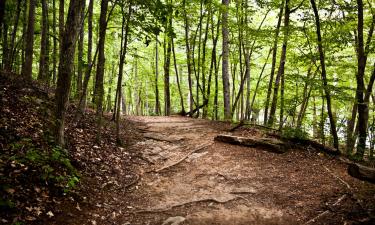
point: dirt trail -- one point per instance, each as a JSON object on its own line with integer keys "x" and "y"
{"x": 225, "y": 184}
{"x": 184, "y": 177}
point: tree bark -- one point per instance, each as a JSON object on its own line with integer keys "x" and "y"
{"x": 157, "y": 103}
{"x": 54, "y": 53}
{"x": 361, "y": 104}
{"x": 99, "y": 84}
{"x": 324, "y": 77}
{"x": 12, "y": 49}
{"x": 83, "y": 96}
{"x": 188, "y": 57}
{"x": 273, "y": 65}
{"x": 124, "y": 44}
{"x": 44, "y": 46}
{"x": 29, "y": 38}
{"x": 280, "y": 72}
{"x": 178, "y": 79}
{"x": 80, "y": 56}
{"x": 167, "y": 63}
{"x": 66, "y": 67}
{"x": 61, "y": 20}
{"x": 225, "y": 53}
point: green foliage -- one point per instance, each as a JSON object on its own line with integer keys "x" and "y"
{"x": 53, "y": 166}
{"x": 291, "y": 133}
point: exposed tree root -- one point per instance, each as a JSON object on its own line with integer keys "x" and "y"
{"x": 327, "y": 211}
{"x": 338, "y": 178}
{"x": 158, "y": 210}
{"x": 205, "y": 145}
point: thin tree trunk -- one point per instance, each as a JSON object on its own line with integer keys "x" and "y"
{"x": 273, "y": 65}
{"x": 178, "y": 80}
{"x": 83, "y": 99}
{"x": 205, "y": 96}
{"x": 61, "y": 20}
{"x": 324, "y": 77}
{"x": 29, "y": 38}
{"x": 280, "y": 72}
{"x": 124, "y": 45}
{"x": 66, "y": 67}
{"x": 54, "y": 60}
{"x": 259, "y": 79}
{"x": 12, "y": 48}
{"x": 157, "y": 104}
{"x": 225, "y": 53}
{"x": 80, "y": 56}
{"x": 188, "y": 57}
{"x": 167, "y": 62}
{"x": 362, "y": 105}
{"x": 44, "y": 53}
{"x": 2, "y": 13}
{"x": 100, "y": 66}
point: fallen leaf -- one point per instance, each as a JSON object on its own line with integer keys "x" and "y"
{"x": 50, "y": 214}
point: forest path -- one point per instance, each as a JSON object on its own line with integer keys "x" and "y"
{"x": 173, "y": 171}
{"x": 190, "y": 177}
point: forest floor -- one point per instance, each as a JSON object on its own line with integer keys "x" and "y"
{"x": 181, "y": 176}
{"x": 169, "y": 171}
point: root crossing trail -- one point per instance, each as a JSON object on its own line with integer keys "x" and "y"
{"x": 184, "y": 177}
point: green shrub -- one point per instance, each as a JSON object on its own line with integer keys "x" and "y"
{"x": 291, "y": 132}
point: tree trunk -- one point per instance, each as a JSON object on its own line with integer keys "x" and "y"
{"x": 54, "y": 54}
{"x": 29, "y": 38}
{"x": 124, "y": 45}
{"x": 178, "y": 80}
{"x": 273, "y": 65}
{"x": 361, "y": 104}
{"x": 99, "y": 84}
{"x": 167, "y": 63}
{"x": 2, "y": 13}
{"x": 205, "y": 96}
{"x": 225, "y": 53}
{"x": 61, "y": 20}
{"x": 280, "y": 72}
{"x": 80, "y": 56}
{"x": 324, "y": 77}
{"x": 157, "y": 104}
{"x": 83, "y": 97}
{"x": 66, "y": 67}
{"x": 259, "y": 79}
{"x": 188, "y": 57}
{"x": 12, "y": 49}
{"x": 44, "y": 46}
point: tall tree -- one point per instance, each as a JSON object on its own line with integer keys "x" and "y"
{"x": 361, "y": 104}
{"x": 80, "y": 56}
{"x": 273, "y": 64}
{"x": 167, "y": 61}
{"x": 324, "y": 76}
{"x": 99, "y": 84}
{"x": 188, "y": 56}
{"x": 29, "y": 42}
{"x": 124, "y": 44}
{"x": 225, "y": 62}
{"x": 82, "y": 102}
{"x": 157, "y": 100}
{"x": 64, "y": 79}
{"x": 280, "y": 72}
{"x": 44, "y": 46}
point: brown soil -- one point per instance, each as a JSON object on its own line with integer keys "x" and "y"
{"x": 218, "y": 184}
